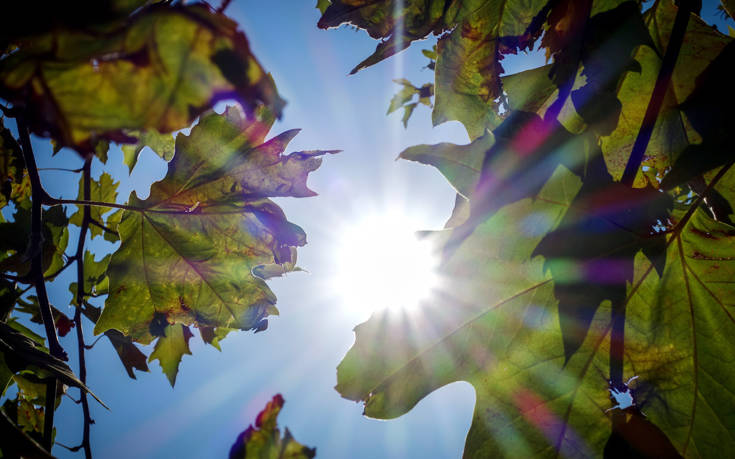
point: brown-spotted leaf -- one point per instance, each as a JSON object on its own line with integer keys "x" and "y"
{"x": 397, "y": 28}
{"x": 167, "y": 65}
{"x": 673, "y": 131}
{"x": 188, "y": 252}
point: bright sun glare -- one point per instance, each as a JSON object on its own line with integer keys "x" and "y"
{"x": 383, "y": 264}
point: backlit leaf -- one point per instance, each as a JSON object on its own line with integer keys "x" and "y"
{"x": 188, "y": 253}
{"x": 671, "y": 133}
{"x": 468, "y": 65}
{"x": 162, "y": 144}
{"x": 169, "y": 64}
{"x": 264, "y": 440}
{"x": 102, "y": 190}
{"x": 170, "y": 348}
{"x": 21, "y": 352}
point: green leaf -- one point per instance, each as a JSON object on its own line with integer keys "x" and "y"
{"x": 672, "y": 131}
{"x": 22, "y": 352}
{"x": 502, "y": 337}
{"x": 14, "y": 240}
{"x": 407, "y": 112}
{"x": 102, "y": 190}
{"x": 15, "y": 184}
{"x": 188, "y": 252}
{"x": 322, "y": 5}
{"x": 402, "y": 97}
{"x": 591, "y": 255}
{"x": 529, "y": 91}
{"x": 162, "y": 144}
{"x": 170, "y": 348}
{"x": 166, "y": 66}
{"x": 680, "y": 334}
{"x": 265, "y": 440}
{"x": 468, "y": 64}
{"x": 213, "y": 335}
{"x": 95, "y": 277}
{"x": 460, "y": 164}
{"x": 430, "y": 53}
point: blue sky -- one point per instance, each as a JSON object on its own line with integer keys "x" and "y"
{"x": 218, "y": 394}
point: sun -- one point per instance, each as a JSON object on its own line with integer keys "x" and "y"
{"x": 382, "y": 263}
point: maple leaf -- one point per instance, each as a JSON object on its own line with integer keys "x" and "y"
{"x": 497, "y": 327}
{"x": 166, "y": 66}
{"x": 188, "y": 252}
{"x": 102, "y": 190}
{"x": 467, "y": 68}
{"x": 170, "y": 348}
{"x": 265, "y": 440}
{"x": 672, "y": 131}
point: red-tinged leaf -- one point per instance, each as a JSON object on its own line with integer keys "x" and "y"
{"x": 264, "y": 440}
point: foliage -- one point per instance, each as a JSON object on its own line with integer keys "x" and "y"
{"x": 265, "y": 440}
{"x": 565, "y": 272}
{"x": 194, "y": 254}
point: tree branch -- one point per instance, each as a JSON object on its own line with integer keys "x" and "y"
{"x": 79, "y": 257}
{"x": 36, "y": 275}
{"x": 35, "y": 250}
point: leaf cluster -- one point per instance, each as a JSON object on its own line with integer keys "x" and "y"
{"x": 194, "y": 255}
{"x": 564, "y": 272}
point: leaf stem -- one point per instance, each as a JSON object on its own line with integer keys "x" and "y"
{"x": 659, "y": 91}
{"x": 79, "y": 257}
{"x": 101, "y": 226}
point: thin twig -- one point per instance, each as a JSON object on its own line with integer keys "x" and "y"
{"x": 60, "y": 270}
{"x": 60, "y": 169}
{"x": 103, "y": 227}
{"x": 223, "y": 6}
{"x": 73, "y": 449}
{"x": 86, "y": 220}
{"x": 90, "y": 346}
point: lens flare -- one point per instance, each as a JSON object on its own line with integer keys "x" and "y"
{"x": 382, "y": 263}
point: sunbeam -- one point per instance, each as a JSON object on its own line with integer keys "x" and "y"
{"x": 383, "y": 264}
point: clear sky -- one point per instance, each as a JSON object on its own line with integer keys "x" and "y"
{"x": 218, "y": 394}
